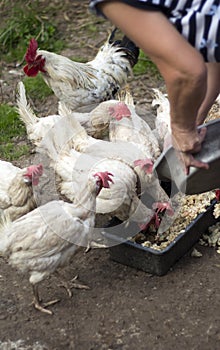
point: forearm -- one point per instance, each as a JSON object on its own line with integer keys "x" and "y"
{"x": 186, "y": 94}
{"x": 181, "y": 66}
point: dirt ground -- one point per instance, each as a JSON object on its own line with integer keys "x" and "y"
{"x": 125, "y": 308}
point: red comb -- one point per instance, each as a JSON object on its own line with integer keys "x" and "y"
{"x": 161, "y": 206}
{"x": 105, "y": 177}
{"x": 145, "y": 164}
{"x": 217, "y": 194}
{"x": 119, "y": 111}
{"x": 34, "y": 172}
{"x": 31, "y": 51}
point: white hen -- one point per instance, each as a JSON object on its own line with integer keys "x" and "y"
{"x": 83, "y": 85}
{"x": 127, "y": 152}
{"x": 162, "y": 121}
{"x": 132, "y": 128}
{"x": 16, "y": 191}
{"x": 46, "y": 239}
{"x": 126, "y": 125}
{"x": 36, "y": 127}
{"x": 72, "y": 166}
{"x": 95, "y": 122}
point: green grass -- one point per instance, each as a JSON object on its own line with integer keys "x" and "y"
{"x": 37, "y": 88}
{"x": 20, "y": 24}
{"x": 10, "y": 128}
{"x": 145, "y": 65}
{"x": 20, "y": 21}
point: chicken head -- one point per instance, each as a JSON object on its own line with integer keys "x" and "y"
{"x": 35, "y": 63}
{"x": 119, "y": 111}
{"x": 158, "y": 207}
{"x": 33, "y": 173}
{"x": 103, "y": 180}
{"x": 146, "y": 164}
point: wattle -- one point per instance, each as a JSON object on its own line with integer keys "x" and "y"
{"x": 31, "y": 71}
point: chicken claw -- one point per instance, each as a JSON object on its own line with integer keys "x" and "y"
{"x": 94, "y": 244}
{"x": 72, "y": 284}
{"x": 37, "y": 303}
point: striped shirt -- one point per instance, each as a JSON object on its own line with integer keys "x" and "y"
{"x": 197, "y": 20}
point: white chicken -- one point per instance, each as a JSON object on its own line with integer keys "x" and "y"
{"x": 82, "y": 142}
{"x": 162, "y": 121}
{"x": 72, "y": 165}
{"x": 46, "y": 239}
{"x": 16, "y": 191}
{"x": 81, "y": 86}
{"x": 127, "y": 126}
{"x": 95, "y": 122}
{"x": 36, "y": 127}
{"x": 132, "y": 128}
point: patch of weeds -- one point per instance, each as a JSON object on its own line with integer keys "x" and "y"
{"x": 20, "y": 24}
{"x": 91, "y": 27}
{"x": 11, "y": 129}
{"x": 37, "y": 88}
{"x": 10, "y": 152}
{"x": 145, "y": 65}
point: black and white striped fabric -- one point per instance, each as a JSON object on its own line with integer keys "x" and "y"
{"x": 197, "y": 20}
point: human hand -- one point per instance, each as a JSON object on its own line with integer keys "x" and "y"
{"x": 189, "y": 161}
{"x": 188, "y": 143}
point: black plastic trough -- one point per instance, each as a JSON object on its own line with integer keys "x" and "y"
{"x": 158, "y": 262}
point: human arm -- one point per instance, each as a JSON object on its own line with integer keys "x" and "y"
{"x": 181, "y": 66}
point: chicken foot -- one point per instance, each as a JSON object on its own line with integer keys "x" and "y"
{"x": 94, "y": 245}
{"x": 39, "y": 305}
{"x": 68, "y": 285}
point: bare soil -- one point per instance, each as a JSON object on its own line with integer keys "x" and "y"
{"x": 124, "y": 309}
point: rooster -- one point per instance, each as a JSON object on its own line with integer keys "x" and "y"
{"x": 16, "y": 191}
{"x": 81, "y": 86}
{"x": 47, "y": 238}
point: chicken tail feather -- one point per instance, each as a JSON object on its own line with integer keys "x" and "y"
{"x": 111, "y": 37}
{"x": 131, "y": 50}
{"x": 127, "y": 46}
{"x": 63, "y": 135}
{"x": 26, "y": 113}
